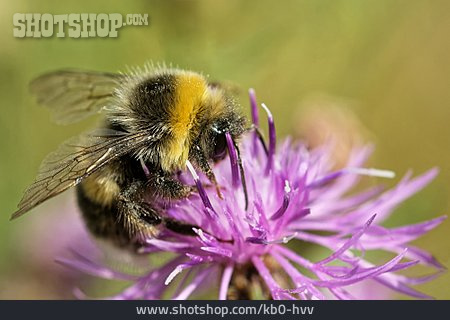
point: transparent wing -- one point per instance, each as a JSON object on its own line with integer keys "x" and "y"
{"x": 73, "y": 95}
{"x": 74, "y": 160}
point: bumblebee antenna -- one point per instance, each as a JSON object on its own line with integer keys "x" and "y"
{"x": 259, "y": 136}
{"x": 236, "y": 166}
{"x": 241, "y": 171}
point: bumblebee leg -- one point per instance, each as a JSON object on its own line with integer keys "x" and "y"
{"x": 180, "y": 227}
{"x": 163, "y": 185}
{"x": 138, "y": 217}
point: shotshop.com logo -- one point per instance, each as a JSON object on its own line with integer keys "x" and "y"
{"x": 73, "y": 25}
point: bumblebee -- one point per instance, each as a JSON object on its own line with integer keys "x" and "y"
{"x": 156, "y": 121}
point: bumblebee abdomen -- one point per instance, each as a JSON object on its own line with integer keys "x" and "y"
{"x": 101, "y": 187}
{"x": 110, "y": 210}
{"x": 98, "y": 201}
{"x": 102, "y": 221}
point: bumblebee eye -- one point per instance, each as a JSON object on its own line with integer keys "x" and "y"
{"x": 220, "y": 147}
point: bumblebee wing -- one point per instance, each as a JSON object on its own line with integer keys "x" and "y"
{"x": 74, "y": 160}
{"x": 73, "y": 95}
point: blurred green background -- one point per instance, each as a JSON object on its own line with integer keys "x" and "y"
{"x": 390, "y": 60}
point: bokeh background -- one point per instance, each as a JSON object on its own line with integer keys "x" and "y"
{"x": 386, "y": 62}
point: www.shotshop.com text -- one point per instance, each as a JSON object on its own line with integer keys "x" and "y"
{"x": 263, "y": 309}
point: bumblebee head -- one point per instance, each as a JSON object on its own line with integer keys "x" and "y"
{"x": 211, "y": 143}
{"x": 213, "y": 138}
{"x": 219, "y": 115}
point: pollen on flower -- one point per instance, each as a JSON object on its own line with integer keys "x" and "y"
{"x": 291, "y": 193}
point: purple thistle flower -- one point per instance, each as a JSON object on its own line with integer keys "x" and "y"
{"x": 293, "y": 194}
